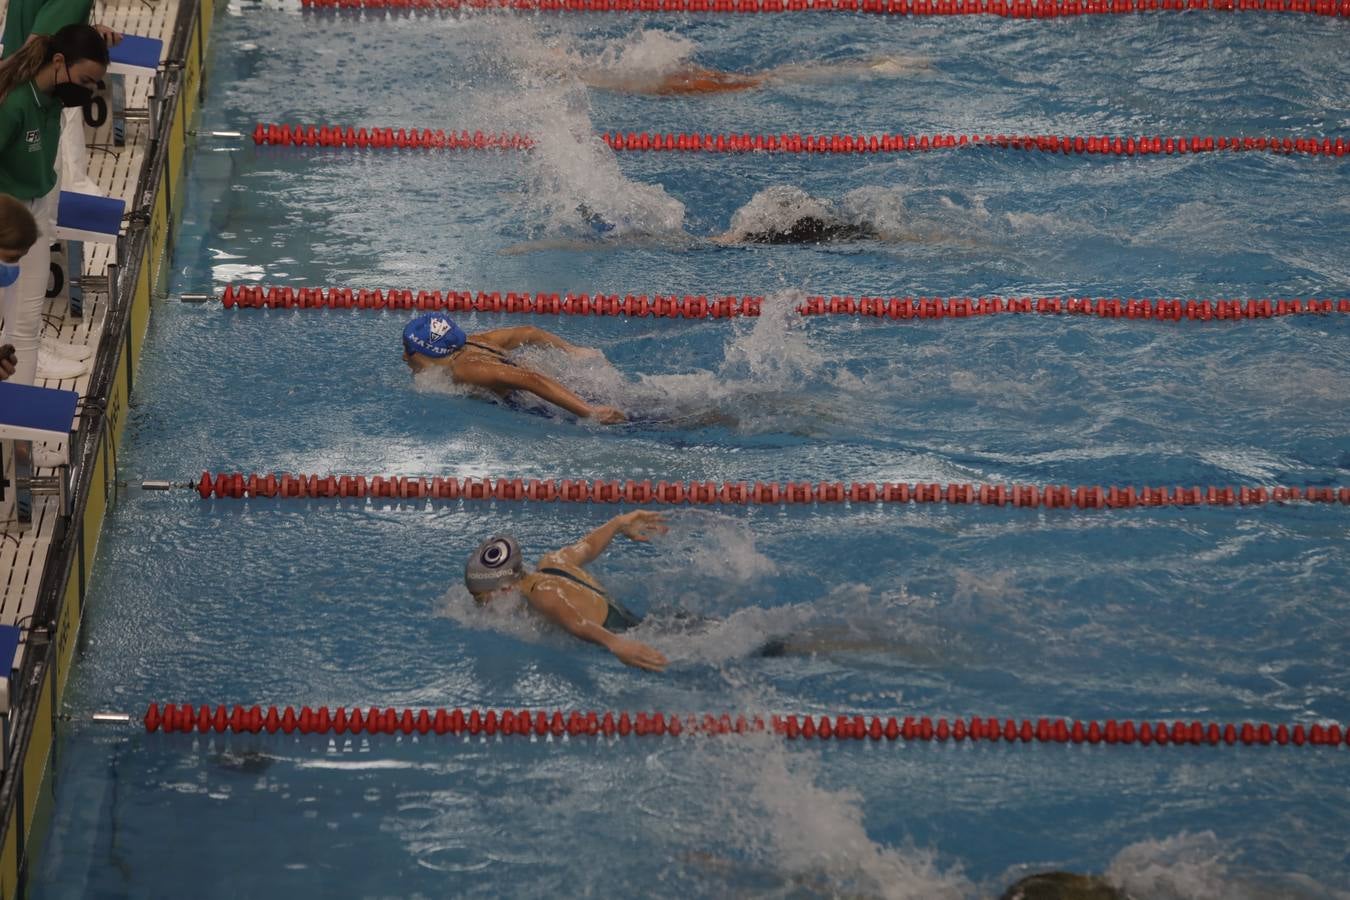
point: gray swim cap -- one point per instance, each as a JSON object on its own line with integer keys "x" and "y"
{"x": 495, "y": 564}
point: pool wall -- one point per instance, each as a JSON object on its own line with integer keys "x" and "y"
{"x": 27, "y": 787}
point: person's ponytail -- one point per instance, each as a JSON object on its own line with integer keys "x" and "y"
{"x": 23, "y": 65}
{"x": 74, "y": 42}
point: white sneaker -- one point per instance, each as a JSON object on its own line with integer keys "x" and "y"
{"x": 54, "y": 368}
{"x": 77, "y": 352}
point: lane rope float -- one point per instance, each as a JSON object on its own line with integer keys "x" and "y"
{"x": 701, "y": 306}
{"x": 236, "y": 485}
{"x": 1013, "y": 9}
{"x": 221, "y": 719}
{"x": 353, "y": 137}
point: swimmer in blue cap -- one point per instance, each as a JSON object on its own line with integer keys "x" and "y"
{"x": 434, "y": 341}
{"x": 563, "y": 592}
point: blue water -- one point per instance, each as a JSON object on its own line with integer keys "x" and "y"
{"x": 1165, "y": 613}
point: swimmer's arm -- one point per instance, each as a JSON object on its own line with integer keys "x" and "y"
{"x": 639, "y": 525}
{"x": 496, "y": 377}
{"x": 556, "y": 609}
{"x": 529, "y": 336}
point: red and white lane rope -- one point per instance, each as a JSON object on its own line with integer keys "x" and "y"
{"x": 1014, "y": 9}
{"x": 574, "y": 723}
{"x": 675, "y": 306}
{"x": 353, "y": 137}
{"x": 237, "y": 485}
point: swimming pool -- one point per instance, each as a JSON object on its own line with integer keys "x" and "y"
{"x": 1165, "y": 613}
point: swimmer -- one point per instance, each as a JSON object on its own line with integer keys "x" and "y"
{"x": 563, "y": 592}
{"x": 690, "y": 78}
{"x": 777, "y": 215}
{"x": 433, "y": 342}
{"x": 805, "y": 229}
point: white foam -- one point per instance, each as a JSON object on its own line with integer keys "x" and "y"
{"x": 755, "y": 388}
{"x": 646, "y": 52}
{"x": 771, "y": 807}
{"x": 570, "y": 168}
{"x": 775, "y": 209}
{"x": 1200, "y": 866}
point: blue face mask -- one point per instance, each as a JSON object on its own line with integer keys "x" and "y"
{"x": 8, "y": 274}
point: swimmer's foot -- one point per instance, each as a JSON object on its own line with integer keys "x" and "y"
{"x": 899, "y": 65}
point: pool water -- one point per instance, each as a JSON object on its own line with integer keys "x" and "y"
{"x": 1225, "y": 614}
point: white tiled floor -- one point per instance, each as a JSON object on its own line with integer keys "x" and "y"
{"x": 115, "y": 169}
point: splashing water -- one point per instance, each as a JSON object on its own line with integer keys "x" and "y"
{"x": 573, "y": 184}
{"x": 642, "y": 54}
{"x": 763, "y": 383}
{"x": 707, "y": 554}
{"x": 805, "y": 839}
{"x": 1200, "y": 866}
{"x": 777, "y": 208}
{"x": 872, "y": 212}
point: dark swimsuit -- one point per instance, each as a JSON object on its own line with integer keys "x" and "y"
{"x": 500, "y": 355}
{"x": 617, "y": 619}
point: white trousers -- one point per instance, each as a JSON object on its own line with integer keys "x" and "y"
{"x": 21, "y": 303}
{"x": 73, "y": 160}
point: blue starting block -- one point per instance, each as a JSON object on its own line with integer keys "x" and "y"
{"x": 88, "y": 217}
{"x": 80, "y": 218}
{"x": 30, "y": 414}
{"x": 135, "y": 55}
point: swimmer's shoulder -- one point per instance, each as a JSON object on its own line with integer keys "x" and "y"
{"x": 554, "y": 560}
{"x": 580, "y": 578}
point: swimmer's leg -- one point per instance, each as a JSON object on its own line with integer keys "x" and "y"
{"x": 842, "y": 641}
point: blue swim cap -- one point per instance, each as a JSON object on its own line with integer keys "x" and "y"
{"x": 433, "y": 334}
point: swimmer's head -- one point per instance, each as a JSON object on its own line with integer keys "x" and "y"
{"x": 496, "y": 564}
{"x": 810, "y": 229}
{"x": 432, "y": 336}
{"x": 1061, "y": 886}
{"x": 598, "y": 223}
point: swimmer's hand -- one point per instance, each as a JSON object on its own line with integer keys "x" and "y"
{"x": 641, "y": 524}
{"x": 607, "y": 415}
{"x": 638, "y": 655}
{"x": 110, "y": 37}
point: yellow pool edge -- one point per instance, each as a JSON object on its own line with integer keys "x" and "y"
{"x": 27, "y": 788}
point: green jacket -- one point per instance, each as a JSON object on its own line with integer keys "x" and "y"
{"x": 27, "y": 17}
{"x": 30, "y": 127}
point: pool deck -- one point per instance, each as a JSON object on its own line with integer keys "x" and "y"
{"x": 23, "y": 553}
{"x": 45, "y": 569}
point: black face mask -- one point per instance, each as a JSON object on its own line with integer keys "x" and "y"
{"x": 71, "y": 95}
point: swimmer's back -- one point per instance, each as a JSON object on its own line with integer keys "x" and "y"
{"x": 698, "y": 80}
{"x": 578, "y": 589}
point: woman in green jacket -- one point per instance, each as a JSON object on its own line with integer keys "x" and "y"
{"x": 47, "y": 75}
